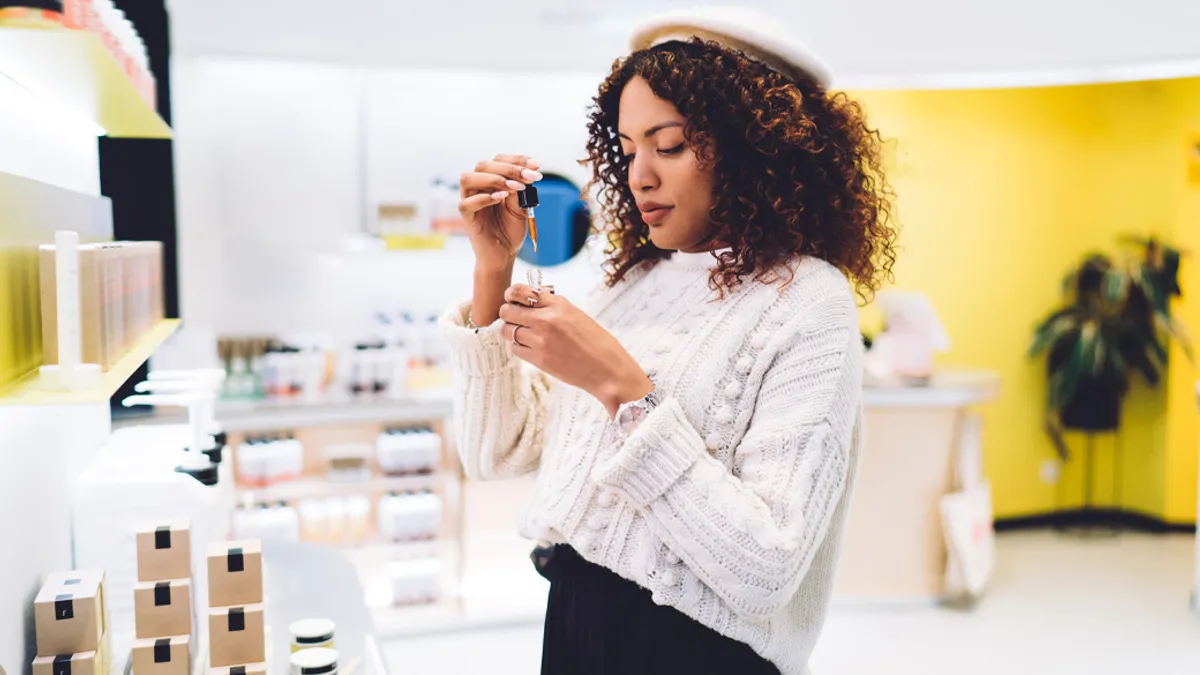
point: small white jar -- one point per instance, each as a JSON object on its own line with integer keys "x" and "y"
{"x": 319, "y": 661}
{"x": 311, "y": 634}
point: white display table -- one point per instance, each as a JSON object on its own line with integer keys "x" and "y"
{"x": 894, "y": 548}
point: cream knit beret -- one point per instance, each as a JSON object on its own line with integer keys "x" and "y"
{"x": 755, "y": 34}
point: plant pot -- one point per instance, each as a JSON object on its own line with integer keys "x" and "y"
{"x": 1095, "y": 407}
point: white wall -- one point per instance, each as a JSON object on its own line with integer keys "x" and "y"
{"x": 268, "y": 176}
{"x": 867, "y": 42}
{"x": 277, "y": 163}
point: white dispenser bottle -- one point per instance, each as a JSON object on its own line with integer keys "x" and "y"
{"x": 125, "y": 491}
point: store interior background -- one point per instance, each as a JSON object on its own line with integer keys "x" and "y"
{"x": 1024, "y": 135}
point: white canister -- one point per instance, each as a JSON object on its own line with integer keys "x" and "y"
{"x": 312, "y": 634}
{"x": 317, "y": 661}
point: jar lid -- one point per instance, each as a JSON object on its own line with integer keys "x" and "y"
{"x": 316, "y": 661}
{"x": 312, "y": 631}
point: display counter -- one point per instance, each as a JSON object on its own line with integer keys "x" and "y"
{"x": 894, "y": 548}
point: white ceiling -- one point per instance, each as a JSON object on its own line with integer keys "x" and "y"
{"x": 868, "y": 42}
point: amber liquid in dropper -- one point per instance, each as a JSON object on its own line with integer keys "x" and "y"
{"x": 532, "y": 231}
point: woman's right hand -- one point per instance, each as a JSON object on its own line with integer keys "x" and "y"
{"x": 489, "y": 208}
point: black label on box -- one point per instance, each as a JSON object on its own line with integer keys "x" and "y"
{"x": 162, "y": 593}
{"x": 162, "y": 537}
{"x": 162, "y": 650}
{"x": 64, "y": 607}
{"x": 62, "y": 664}
{"x": 236, "y": 561}
{"x": 237, "y": 670}
{"x": 237, "y": 619}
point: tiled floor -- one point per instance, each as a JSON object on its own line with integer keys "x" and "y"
{"x": 1059, "y": 605}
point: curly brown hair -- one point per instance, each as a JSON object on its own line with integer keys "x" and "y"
{"x": 798, "y": 169}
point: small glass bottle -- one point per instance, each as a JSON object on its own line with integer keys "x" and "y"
{"x": 528, "y": 199}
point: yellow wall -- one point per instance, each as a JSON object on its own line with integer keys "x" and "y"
{"x": 1183, "y": 424}
{"x": 1000, "y": 192}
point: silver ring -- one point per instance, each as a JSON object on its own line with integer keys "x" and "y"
{"x": 514, "y": 336}
{"x": 532, "y": 300}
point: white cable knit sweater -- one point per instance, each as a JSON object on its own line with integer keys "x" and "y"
{"x": 728, "y": 501}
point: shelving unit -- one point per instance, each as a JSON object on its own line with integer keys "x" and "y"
{"x": 29, "y": 392}
{"x": 239, "y": 416}
{"x": 313, "y": 488}
{"x": 320, "y": 425}
{"x": 74, "y": 69}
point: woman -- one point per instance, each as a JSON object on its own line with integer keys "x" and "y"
{"x": 695, "y": 424}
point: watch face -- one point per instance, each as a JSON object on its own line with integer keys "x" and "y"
{"x": 632, "y": 414}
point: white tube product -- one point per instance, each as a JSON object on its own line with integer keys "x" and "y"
{"x": 70, "y": 373}
{"x": 128, "y": 489}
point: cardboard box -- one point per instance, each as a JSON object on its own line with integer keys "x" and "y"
{"x": 235, "y": 574}
{"x": 163, "y": 656}
{"x": 164, "y": 552}
{"x": 162, "y": 608}
{"x": 69, "y": 613}
{"x": 235, "y": 636}
{"x": 85, "y": 663}
{"x": 247, "y": 669}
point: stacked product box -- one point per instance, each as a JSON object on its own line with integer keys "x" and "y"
{"x": 71, "y": 621}
{"x": 164, "y": 618}
{"x": 236, "y": 624}
{"x": 120, "y": 298}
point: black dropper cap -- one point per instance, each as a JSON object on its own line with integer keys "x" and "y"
{"x": 207, "y": 475}
{"x": 213, "y": 454}
{"x": 528, "y": 197}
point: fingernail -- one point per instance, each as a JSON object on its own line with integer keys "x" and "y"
{"x": 515, "y": 184}
{"x": 500, "y": 195}
{"x": 530, "y": 174}
{"x": 533, "y": 163}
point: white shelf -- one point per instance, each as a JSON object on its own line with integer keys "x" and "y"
{"x": 947, "y": 390}
{"x": 75, "y": 69}
{"x": 29, "y": 391}
{"x": 238, "y": 417}
{"x": 311, "y": 488}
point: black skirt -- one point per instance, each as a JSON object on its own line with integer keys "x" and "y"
{"x": 598, "y": 623}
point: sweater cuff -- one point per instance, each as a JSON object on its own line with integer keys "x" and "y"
{"x": 655, "y": 455}
{"x": 474, "y": 352}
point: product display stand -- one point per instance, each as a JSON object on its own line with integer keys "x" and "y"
{"x": 343, "y": 497}
{"x": 65, "y": 85}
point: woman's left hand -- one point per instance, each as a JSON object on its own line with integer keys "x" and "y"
{"x": 562, "y": 341}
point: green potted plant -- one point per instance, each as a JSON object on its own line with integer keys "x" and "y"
{"x": 1114, "y": 326}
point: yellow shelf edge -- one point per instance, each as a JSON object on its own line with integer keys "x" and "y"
{"x": 28, "y": 391}
{"x": 76, "y": 69}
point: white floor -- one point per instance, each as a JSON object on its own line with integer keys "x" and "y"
{"x": 1059, "y": 605}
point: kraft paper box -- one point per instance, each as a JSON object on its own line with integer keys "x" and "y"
{"x": 162, "y": 608}
{"x": 247, "y": 669}
{"x": 91, "y": 305}
{"x": 235, "y": 574}
{"x": 235, "y": 636}
{"x": 86, "y": 663}
{"x": 164, "y": 552}
{"x": 70, "y": 616}
{"x": 163, "y": 656}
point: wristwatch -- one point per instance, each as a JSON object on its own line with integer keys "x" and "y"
{"x": 631, "y": 414}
